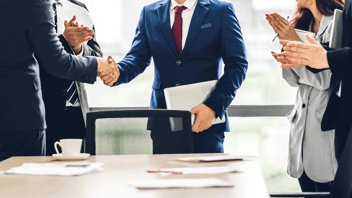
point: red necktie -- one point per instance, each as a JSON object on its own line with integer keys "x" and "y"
{"x": 177, "y": 28}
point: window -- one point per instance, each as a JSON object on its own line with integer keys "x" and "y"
{"x": 115, "y": 23}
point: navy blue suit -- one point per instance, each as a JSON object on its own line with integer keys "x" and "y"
{"x": 214, "y": 35}
{"x": 28, "y": 28}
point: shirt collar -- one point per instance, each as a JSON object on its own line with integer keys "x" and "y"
{"x": 325, "y": 21}
{"x": 189, "y": 4}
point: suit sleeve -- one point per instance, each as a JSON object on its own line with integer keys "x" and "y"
{"x": 49, "y": 50}
{"x": 320, "y": 80}
{"x": 138, "y": 58}
{"x": 340, "y": 61}
{"x": 233, "y": 53}
{"x": 291, "y": 77}
{"x": 92, "y": 48}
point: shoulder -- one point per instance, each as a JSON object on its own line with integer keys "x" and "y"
{"x": 155, "y": 5}
{"x": 78, "y": 3}
{"x": 217, "y": 4}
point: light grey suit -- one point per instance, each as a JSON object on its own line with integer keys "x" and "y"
{"x": 310, "y": 149}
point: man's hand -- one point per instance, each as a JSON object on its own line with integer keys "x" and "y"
{"x": 300, "y": 54}
{"x": 108, "y": 71}
{"x": 205, "y": 117}
{"x": 76, "y": 35}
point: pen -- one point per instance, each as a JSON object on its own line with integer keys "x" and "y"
{"x": 159, "y": 171}
{"x": 277, "y": 34}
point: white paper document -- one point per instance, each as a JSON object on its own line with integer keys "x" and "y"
{"x": 195, "y": 170}
{"x": 216, "y": 158}
{"x": 68, "y": 10}
{"x": 180, "y": 183}
{"x": 302, "y": 35}
{"x": 186, "y": 97}
{"x": 56, "y": 169}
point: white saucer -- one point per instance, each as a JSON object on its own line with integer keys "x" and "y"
{"x": 81, "y": 156}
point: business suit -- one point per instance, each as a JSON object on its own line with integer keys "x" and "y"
{"x": 338, "y": 112}
{"x": 311, "y": 151}
{"x": 65, "y": 122}
{"x": 31, "y": 30}
{"x": 214, "y": 34}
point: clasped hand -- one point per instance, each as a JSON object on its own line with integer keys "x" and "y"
{"x": 76, "y": 34}
{"x": 283, "y": 27}
{"x": 108, "y": 70}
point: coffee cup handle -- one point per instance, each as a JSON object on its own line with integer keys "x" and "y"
{"x": 55, "y": 145}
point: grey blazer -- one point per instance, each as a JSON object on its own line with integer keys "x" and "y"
{"x": 310, "y": 149}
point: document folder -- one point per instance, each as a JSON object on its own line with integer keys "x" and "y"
{"x": 186, "y": 97}
{"x": 337, "y": 30}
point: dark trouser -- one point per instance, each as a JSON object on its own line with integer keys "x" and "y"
{"x": 340, "y": 142}
{"x": 308, "y": 185}
{"x": 204, "y": 142}
{"x": 70, "y": 126}
{"x": 30, "y": 143}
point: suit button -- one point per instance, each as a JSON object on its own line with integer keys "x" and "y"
{"x": 64, "y": 91}
{"x": 178, "y": 62}
{"x": 303, "y": 106}
{"x": 178, "y": 84}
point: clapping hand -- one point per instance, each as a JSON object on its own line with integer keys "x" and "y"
{"x": 298, "y": 54}
{"x": 205, "y": 117}
{"x": 281, "y": 26}
{"x": 108, "y": 70}
{"x": 76, "y": 35}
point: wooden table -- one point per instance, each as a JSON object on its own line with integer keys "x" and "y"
{"x": 118, "y": 169}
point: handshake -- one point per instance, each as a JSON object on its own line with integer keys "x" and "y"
{"x": 108, "y": 71}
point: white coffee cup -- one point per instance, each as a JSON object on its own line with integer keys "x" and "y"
{"x": 69, "y": 147}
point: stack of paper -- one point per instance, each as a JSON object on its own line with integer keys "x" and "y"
{"x": 180, "y": 183}
{"x": 216, "y": 158}
{"x": 56, "y": 169}
{"x": 197, "y": 170}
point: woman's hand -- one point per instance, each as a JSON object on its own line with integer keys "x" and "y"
{"x": 283, "y": 27}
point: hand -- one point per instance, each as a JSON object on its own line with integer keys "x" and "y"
{"x": 283, "y": 59}
{"x": 204, "y": 118}
{"x": 283, "y": 27}
{"x": 108, "y": 71}
{"x": 76, "y": 35}
{"x": 300, "y": 54}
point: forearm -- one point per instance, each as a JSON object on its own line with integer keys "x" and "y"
{"x": 290, "y": 77}
{"x": 53, "y": 58}
{"x": 320, "y": 81}
{"x": 340, "y": 61}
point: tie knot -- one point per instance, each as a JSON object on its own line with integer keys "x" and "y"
{"x": 179, "y": 10}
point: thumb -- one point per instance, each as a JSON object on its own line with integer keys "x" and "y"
{"x": 311, "y": 40}
{"x": 194, "y": 110}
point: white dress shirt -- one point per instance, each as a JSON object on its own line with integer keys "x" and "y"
{"x": 60, "y": 31}
{"x": 187, "y": 15}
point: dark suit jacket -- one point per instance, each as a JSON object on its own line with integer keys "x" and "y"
{"x": 54, "y": 89}
{"x": 338, "y": 112}
{"x": 30, "y": 29}
{"x": 214, "y": 35}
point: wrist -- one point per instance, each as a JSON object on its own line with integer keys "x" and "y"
{"x": 77, "y": 49}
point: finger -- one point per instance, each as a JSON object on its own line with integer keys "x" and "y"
{"x": 282, "y": 20}
{"x": 71, "y": 22}
{"x": 284, "y": 42}
{"x": 311, "y": 40}
{"x": 278, "y": 23}
{"x": 110, "y": 59}
{"x": 87, "y": 39}
{"x": 195, "y": 127}
{"x": 194, "y": 110}
{"x": 110, "y": 80}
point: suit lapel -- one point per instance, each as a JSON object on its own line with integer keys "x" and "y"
{"x": 197, "y": 20}
{"x": 164, "y": 18}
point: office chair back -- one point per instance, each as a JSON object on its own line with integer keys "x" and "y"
{"x": 178, "y": 142}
